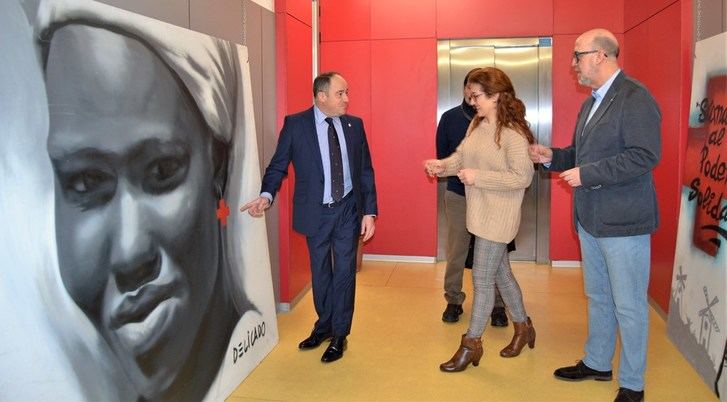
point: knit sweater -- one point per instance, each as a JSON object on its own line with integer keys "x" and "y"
{"x": 503, "y": 174}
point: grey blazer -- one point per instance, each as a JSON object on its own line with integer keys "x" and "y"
{"x": 616, "y": 152}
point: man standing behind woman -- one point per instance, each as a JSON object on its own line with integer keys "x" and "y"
{"x": 493, "y": 163}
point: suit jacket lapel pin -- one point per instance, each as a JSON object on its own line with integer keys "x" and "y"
{"x": 349, "y": 124}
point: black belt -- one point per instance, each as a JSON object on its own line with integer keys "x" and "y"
{"x": 337, "y": 203}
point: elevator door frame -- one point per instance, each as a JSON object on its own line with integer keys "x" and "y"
{"x": 449, "y": 94}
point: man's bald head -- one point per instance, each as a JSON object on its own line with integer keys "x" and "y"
{"x": 601, "y": 39}
{"x": 595, "y": 57}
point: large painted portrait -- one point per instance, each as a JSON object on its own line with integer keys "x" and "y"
{"x": 125, "y": 275}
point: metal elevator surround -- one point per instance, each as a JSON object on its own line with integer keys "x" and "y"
{"x": 527, "y": 61}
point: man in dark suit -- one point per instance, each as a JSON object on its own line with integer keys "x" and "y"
{"x": 616, "y": 145}
{"x": 334, "y": 202}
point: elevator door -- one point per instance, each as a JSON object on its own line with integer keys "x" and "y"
{"x": 527, "y": 61}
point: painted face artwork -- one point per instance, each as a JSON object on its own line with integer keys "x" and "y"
{"x": 138, "y": 240}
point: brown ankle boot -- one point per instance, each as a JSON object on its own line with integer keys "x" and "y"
{"x": 524, "y": 334}
{"x": 470, "y": 351}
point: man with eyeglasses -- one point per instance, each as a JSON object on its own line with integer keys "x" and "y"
{"x": 450, "y": 132}
{"x": 609, "y": 164}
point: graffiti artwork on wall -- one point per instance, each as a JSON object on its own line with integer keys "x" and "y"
{"x": 125, "y": 276}
{"x": 697, "y": 313}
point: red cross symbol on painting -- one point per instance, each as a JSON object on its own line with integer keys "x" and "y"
{"x": 223, "y": 211}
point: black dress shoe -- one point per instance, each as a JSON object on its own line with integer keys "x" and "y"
{"x": 582, "y": 372}
{"x": 498, "y": 318}
{"x": 452, "y": 312}
{"x": 628, "y": 395}
{"x": 335, "y": 349}
{"x": 313, "y": 341}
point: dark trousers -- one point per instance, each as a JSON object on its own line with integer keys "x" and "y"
{"x": 333, "y": 267}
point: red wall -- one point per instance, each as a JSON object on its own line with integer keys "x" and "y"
{"x": 376, "y": 54}
{"x": 494, "y": 18}
{"x": 294, "y": 81}
{"x": 658, "y": 53}
{"x": 387, "y": 51}
{"x": 401, "y": 126}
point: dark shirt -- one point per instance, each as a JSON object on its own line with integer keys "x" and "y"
{"x": 450, "y": 132}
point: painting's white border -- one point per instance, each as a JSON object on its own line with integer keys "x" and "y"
{"x": 267, "y": 4}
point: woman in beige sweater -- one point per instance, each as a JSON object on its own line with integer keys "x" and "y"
{"x": 492, "y": 161}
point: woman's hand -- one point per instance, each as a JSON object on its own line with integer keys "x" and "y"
{"x": 434, "y": 167}
{"x": 467, "y": 176}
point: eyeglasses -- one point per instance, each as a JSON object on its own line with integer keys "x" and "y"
{"x": 474, "y": 96}
{"x": 577, "y": 55}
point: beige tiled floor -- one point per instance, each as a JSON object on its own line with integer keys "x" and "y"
{"x": 398, "y": 341}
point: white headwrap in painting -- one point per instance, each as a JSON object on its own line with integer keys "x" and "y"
{"x": 215, "y": 73}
